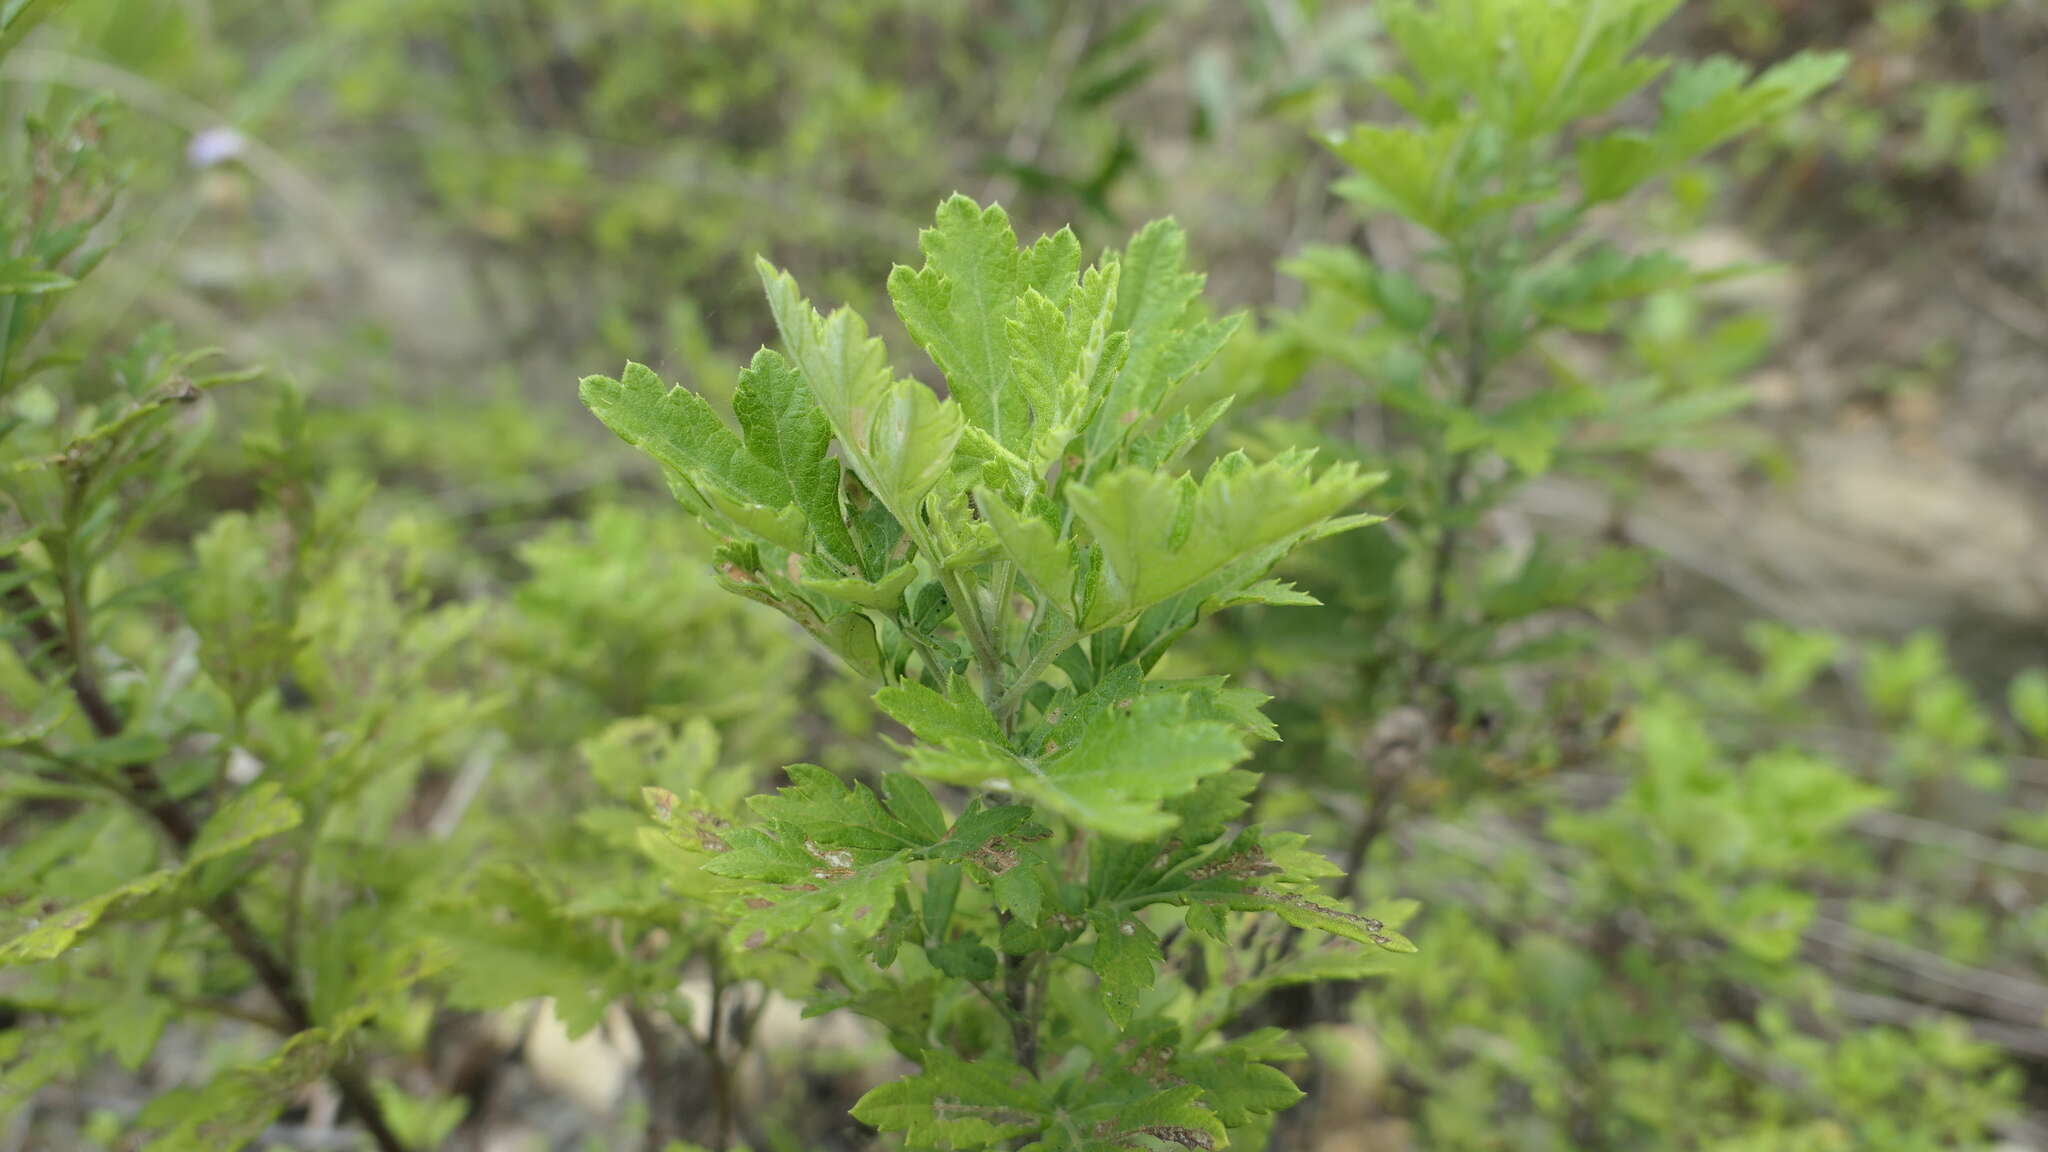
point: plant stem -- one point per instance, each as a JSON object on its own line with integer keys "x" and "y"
{"x": 932, "y": 667}
{"x": 1023, "y": 1024}
{"x": 1054, "y": 646}
{"x": 965, "y": 609}
{"x": 1475, "y": 368}
{"x": 1005, "y": 584}
{"x": 721, "y": 1073}
{"x": 1376, "y": 819}
{"x": 656, "y": 1077}
{"x": 969, "y": 613}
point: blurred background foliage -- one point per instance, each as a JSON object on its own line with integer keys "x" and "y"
{"x": 1729, "y": 831}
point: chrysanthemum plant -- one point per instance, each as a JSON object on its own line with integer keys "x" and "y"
{"x": 1053, "y": 908}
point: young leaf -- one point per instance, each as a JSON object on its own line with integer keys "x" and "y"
{"x": 898, "y": 437}
{"x": 786, "y": 430}
{"x": 679, "y": 429}
{"x": 1034, "y": 546}
{"x": 1404, "y": 170}
{"x": 1158, "y": 302}
{"x": 910, "y": 443}
{"x": 959, "y": 307}
{"x": 1159, "y": 537}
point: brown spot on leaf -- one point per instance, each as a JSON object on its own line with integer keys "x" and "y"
{"x": 1191, "y": 1138}
{"x": 661, "y": 803}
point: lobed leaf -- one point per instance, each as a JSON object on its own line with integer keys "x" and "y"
{"x": 960, "y": 305}
{"x": 1159, "y": 536}
{"x": 786, "y": 430}
{"x": 955, "y": 1104}
{"x": 252, "y": 816}
{"x": 678, "y": 428}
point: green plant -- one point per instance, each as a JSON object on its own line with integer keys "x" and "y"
{"x": 1642, "y": 952}
{"x": 1051, "y": 935}
{"x": 1768, "y": 891}
{"x": 1480, "y": 352}
{"x": 201, "y": 738}
{"x": 619, "y": 644}
{"x": 1905, "y": 122}
{"x": 620, "y": 618}
{"x": 1717, "y": 935}
{"x": 569, "y": 912}
{"x": 1627, "y": 963}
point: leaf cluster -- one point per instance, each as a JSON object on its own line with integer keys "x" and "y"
{"x": 1009, "y": 562}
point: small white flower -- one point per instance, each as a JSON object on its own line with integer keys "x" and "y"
{"x": 215, "y": 146}
{"x": 243, "y": 767}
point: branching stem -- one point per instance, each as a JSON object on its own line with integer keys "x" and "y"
{"x": 1052, "y": 649}
{"x": 146, "y": 791}
{"x": 1475, "y": 365}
